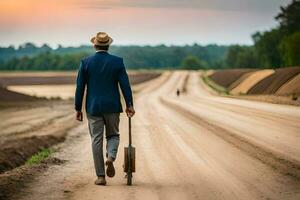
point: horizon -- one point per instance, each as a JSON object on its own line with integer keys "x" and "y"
{"x": 133, "y": 22}
{"x": 120, "y": 45}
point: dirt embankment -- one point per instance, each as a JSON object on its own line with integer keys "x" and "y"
{"x": 271, "y": 84}
{"x": 275, "y": 86}
{"x": 37, "y": 80}
{"x": 136, "y": 78}
{"x": 247, "y": 81}
{"x": 28, "y": 129}
{"x": 291, "y": 87}
{"x": 226, "y": 77}
{"x": 8, "y": 96}
{"x": 57, "y": 78}
{"x": 16, "y": 152}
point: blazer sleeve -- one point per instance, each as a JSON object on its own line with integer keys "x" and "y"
{"x": 80, "y": 87}
{"x": 125, "y": 85}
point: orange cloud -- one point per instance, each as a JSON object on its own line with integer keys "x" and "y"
{"x": 28, "y": 11}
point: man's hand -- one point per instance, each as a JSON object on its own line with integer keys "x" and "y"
{"x": 130, "y": 111}
{"x": 79, "y": 116}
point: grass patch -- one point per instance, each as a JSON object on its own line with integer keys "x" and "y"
{"x": 40, "y": 156}
{"x": 213, "y": 85}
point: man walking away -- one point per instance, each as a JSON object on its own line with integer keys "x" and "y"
{"x": 101, "y": 74}
{"x": 177, "y": 92}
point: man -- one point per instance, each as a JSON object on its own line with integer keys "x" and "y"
{"x": 102, "y": 74}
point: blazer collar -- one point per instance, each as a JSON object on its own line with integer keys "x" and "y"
{"x": 101, "y": 51}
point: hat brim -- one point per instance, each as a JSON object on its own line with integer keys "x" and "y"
{"x": 96, "y": 42}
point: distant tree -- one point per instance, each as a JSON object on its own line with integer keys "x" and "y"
{"x": 241, "y": 56}
{"x": 193, "y": 63}
{"x": 267, "y": 47}
{"x": 247, "y": 58}
{"x": 289, "y": 17}
{"x": 232, "y": 54}
{"x": 45, "y": 47}
{"x": 27, "y": 46}
{"x": 290, "y": 50}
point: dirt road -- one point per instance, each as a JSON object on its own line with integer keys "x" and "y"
{"x": 196, "y": 146}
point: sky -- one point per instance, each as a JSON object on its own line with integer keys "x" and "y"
{"x": 135, "y": 22}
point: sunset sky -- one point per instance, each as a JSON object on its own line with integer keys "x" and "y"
{"x": 73, "y": 22}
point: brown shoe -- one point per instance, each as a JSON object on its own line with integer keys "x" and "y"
{"x": 100, "y": 181}
{"x": 110, "y": 171}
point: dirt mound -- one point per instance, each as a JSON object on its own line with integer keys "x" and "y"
{"x": 37, "y": 80}
{"x": 226, "y": 77}
{"x": 8, "y": 96}
{"x": 272, "y": 83}
{"x": 239, "y": 80}
{"x": 15, "y": 152}
{"x": 209, "y": 72}
{"x": 62, "y": 78}
{"x": 291, "y": 87}
{"x": 14, "y": 181}
{"x": 137, "y": 78}
{"x": 250, "y": 79}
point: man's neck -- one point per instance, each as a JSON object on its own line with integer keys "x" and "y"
{"x": 101, "y": 51}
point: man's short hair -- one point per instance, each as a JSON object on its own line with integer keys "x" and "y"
{"x": 104, "y": 48}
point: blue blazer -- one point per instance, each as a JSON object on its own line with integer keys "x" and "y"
{"x": 101, "y": 74}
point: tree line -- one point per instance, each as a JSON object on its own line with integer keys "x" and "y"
{"x": 135, "y": 57}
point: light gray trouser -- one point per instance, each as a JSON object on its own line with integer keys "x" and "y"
{"x": 96, "y": 127}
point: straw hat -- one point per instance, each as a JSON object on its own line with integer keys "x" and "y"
{"x": 102, "y": 39}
